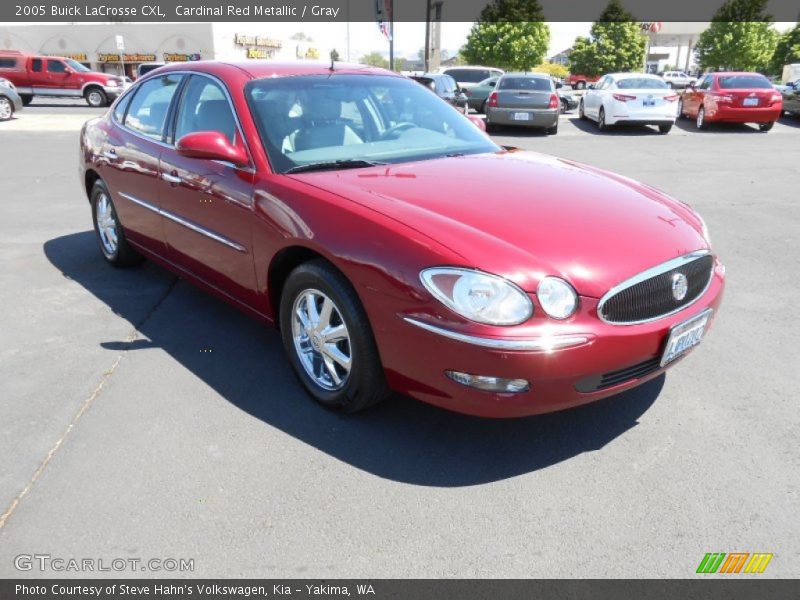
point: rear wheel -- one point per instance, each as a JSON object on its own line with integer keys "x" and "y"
{"x": 580, "y": 85}
{"x": 664, "y": 128}
{"x": 328, "y": 339}
{"x": 581, "y": 111}
{"x": 110, "y": 235}
{"x": 483, "y": 107}
{"x": 26, "y": 99}
{"x": 95, "y": 97}
{"x": 601, "y": 120}
{"x": 765, "y": 126}
{"x": 681, "y": 114}
{"x": 701, "y": 118}
{"x": 6, "y": 109}
{"x": 564, "y": 106}
{"x": 552, "y": 130}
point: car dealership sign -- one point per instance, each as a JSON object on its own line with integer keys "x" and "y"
{"x": 652, "y": 27}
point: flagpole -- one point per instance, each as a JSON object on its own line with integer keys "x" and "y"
{"x": 391, "y": 35}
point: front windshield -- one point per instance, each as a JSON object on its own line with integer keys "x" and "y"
{"x": 312, "y": 119}
{"x": 641, "y": 83}
{"x": 76, "y": 66}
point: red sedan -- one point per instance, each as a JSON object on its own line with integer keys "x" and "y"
{"x": 732, "y": 98}
{"x": 394, "y": 245}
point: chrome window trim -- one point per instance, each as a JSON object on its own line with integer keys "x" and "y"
{"x": 556, "y": 342}
{"x": 649, "y": 273}
{"x": 188, "y": 224}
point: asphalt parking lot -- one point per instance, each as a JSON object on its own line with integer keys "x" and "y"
{"x": 144, "y": 419}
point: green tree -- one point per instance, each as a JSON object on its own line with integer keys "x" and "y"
{"x": 374, "y": 59}
{"x": 553, "y": 69}
{"x": 739, "y": 37}
{"x": 510, "y": 34}
{"x": 787, "y": 50}
{"x": 616, "y": 43}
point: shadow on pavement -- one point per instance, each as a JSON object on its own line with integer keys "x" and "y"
{"x": 688, "y": 124}
{"x": 402, "y": 439}
{"x": 589, "y": 126}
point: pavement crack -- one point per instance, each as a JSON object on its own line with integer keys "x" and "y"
{"x": 131, "y": 337}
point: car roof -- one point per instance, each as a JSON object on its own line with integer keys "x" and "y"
{"x": 471, "y": 67}
{"x": 258, "y": 69}
{"x": 718, "y": 73}
{"x": 637, "y": 75}
{"x": 526, "y": 74}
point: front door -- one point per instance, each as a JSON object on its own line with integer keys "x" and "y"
{"x": 207, "y": 204}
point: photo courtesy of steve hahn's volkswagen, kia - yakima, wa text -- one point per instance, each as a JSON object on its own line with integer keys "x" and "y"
{"x": 305, "y": 293}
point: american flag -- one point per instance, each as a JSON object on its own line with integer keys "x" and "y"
{"x": 383, "y": 14}
{"x": 385, "y": 30}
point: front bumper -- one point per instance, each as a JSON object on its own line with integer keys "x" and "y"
{"x": 727, "y": 114}
{"x": 544, "y": 117}
{"x": 416, "y": 358}
{"x": 113, "y": 91}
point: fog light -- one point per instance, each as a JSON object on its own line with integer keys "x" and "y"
{"x": 489, "y": 384}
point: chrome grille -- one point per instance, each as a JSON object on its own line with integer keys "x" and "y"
{"x": 648, "y": 296}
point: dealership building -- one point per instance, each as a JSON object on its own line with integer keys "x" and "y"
{"x": 118, "y": 47}
{"x": 671, "y": 45}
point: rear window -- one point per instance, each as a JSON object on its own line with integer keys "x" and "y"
{"x": 733, "y": 82}
{"x": 538, "y": 84}
{"x": 8, "y": 63}
{"x": 641, "y": 83}
{"x": 468, "y": 75}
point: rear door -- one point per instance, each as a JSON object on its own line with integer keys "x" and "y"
{"x": 207, "y": 204}
{"x": 131, "y": 156}
{"x": 37, "y": 71}
{"x": 60, "y": 79}
{"x": 524, "y": 92}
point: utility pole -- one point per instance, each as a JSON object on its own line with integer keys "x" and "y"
{"x": 391, "y": 35}
{"x": 427, "y": 57}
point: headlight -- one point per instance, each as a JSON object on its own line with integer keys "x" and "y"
{"x": 557, "y": 297}
{"x": 478, "y": 296}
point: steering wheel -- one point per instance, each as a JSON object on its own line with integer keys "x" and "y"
{"x": 402, "y": 126}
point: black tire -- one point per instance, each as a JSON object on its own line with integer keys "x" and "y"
{"x": 6, "y": 109}
{"x": 664, "y": 129}
{"x": 765, "y": 127}
{"x": 581, "y": 111}
{"x": 26, "y": 99}
{"x": 483, "y": 107}
{"x": 701, "y": 122}
{"x": 552, "y": 130}
{"x": 365, "y": 385}
{"x": 123, "y": 255}
{"x": 490, "y": 127}
{"x": 95, "y": 97}
{"x": 564, "y": 107}
{"x": 601, "y": 120}
{"x": 581, "y": 85}
{"x": 681, "y": 114}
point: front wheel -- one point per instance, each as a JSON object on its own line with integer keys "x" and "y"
{"x": 701, "y": 118}
{"x": 6, "y": 109}
{"x": 765, "y": 126}
{"x": 328, "y": 339}
{"x": 110, "y": 235}
{"x": 664, "y": 128}
{"x": 96, "y": 98}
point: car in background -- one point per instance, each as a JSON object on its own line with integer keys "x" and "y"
{"x": 10, "y": 100}
{"x": 677, "y": 79}
{"x": 445, "y": 87}
{"x": 477, "y": 96}
{"x": 568, "y": 101}
{"x": 524, "y": 100}
{"x": 732, "y": 97}
{"x": 58, "y": 77}
{"x": 144, "y": 68}
{"x": 631, "y": 99}
{"x": 400, "y": 249}
{"x": 791, "y": 98}
{"x": 468, "y": 77}
{"x": 581, "y": 82}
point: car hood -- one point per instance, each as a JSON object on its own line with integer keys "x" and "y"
{"x": 525, "y": 216}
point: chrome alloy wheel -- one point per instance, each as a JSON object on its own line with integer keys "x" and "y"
{"x": 96, "y": 99}
{"x": 321, "y": 340}
{"x": 701, "y": 117}
{"x": 6, "y": 110}
{"x": 107, "y": 225}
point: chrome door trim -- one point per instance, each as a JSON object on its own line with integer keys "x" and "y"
{"x": 186, "y": 223}
{"x": 653, "y": 272}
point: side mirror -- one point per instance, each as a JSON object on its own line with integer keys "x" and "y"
{"x": 590, "y": 86}
{"x": 478, "y": 122}
{"x": 211, "y": 145}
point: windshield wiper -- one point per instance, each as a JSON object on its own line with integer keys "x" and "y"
{"x": 335, "y": 164}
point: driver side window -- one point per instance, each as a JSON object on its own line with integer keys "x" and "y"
{"x": 205, "y": 107}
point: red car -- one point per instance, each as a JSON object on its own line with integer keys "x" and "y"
{"x": 395, "y": 246}
{"x": 732, "y": 98}
{"x": 56, "y": 77}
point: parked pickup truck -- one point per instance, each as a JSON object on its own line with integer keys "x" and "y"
{"x": 55, "y": 76}
{"x": 579, "y": 82}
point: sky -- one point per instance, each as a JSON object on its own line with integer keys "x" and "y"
{"x": 410, "y": 37}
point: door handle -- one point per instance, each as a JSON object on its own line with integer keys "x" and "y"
{"x": 171, "y": 179}
{"x": 110, "y": 154}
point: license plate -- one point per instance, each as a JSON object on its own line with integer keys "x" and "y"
{"x": 521, "y": 116}
{"x": 750, "y": 102}
{"x": 684, "y": 336}
{"x": 649, "y": 102}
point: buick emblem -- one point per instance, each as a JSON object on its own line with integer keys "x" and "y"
{"x": 679, "y": 286}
